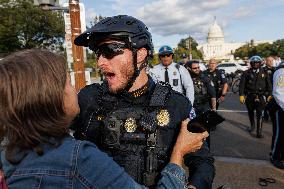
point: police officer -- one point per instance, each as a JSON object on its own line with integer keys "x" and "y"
{"x": 204, "y": 91}
{"x": 129, "y": 116}
{"x": 255, "y": 86}
{"x": 277, "y": 147}
{"x": 174, "y": 74}
{"x": 269, "y": 68}
{"x": 184, "y": 59}
{"x": 219, "y": 79}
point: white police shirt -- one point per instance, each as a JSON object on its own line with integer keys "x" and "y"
{"x": 178, "y": 76}
{"x": 278, "y": 86}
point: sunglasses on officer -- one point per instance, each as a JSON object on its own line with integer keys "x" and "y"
{"x": 195, "y": 68}
{"x": 110, "y": 50}
{"x": 255, "y": 62}
{"x": 165, "y": 55}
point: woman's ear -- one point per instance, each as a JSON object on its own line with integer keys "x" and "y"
{"x": 141, "y": 55}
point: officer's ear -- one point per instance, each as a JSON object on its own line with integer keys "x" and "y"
{"x": 141, "y": 55}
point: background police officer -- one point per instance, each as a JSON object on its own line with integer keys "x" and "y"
{"x": 204, "y": 91}
{"x": 277, "y": 147}
{"x": 174, "y": 74}
{"x": 269, "y": 68}
{"x": 255, "y": 86}
{"x": 184, "y": 59}
{"x": 129, "y": 116}
{"x": 219, "y": 79}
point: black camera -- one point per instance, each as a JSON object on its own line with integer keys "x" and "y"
{"x": 204, "y": 122}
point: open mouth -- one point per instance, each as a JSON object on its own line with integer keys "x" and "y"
{"x": 109, "y": 75}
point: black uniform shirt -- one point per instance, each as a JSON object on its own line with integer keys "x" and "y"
{"x": 219, "y": 79}
{"x": 255, "y": 82}
{"x": 203, "y": 89}
{"x": 270, "y": 72}
{"x": 96, "y": 102}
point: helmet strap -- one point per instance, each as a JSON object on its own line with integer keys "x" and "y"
{"x": 136, "y": 71}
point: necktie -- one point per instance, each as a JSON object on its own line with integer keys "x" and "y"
{"x": 167, "y": 76}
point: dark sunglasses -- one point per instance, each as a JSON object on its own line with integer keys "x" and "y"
{"x": 195, "y": 68}
{"x": 165, "y": 55}
{"x": 110, "y": 50}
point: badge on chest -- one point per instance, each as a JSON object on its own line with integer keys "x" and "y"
{"x": 136, "y": 121}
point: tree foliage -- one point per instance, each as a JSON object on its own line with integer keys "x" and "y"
{"x": 25, "y": 26}
{"x": 278, "y": 48}
{"x": 263, "y": 50}
{"x": 183, "y": 48}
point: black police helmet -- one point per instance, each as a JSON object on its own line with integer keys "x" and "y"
{"x": 121, "y": 27}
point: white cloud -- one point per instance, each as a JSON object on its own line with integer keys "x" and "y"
{"x": 242, "y": 12}
{"x": 171, "y": 20}
{"x": 90, "y": 14}
{"x": 168, "y": 17}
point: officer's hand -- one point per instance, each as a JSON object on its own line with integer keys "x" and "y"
{"x": 221, "y": 99}
{"x": 242, "y": 99}
{"x": 187, "y": 142}
{"x": 269, "y": 98}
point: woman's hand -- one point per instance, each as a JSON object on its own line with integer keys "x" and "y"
{"x": 186, "y": 142}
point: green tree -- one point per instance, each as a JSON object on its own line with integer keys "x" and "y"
{"x": 25, "y": 26}
{"x": 185, "y": 42}
{"x": 278, "y": 48}
{"x": 155, "y": 60}
{"x": 242, "y": 51}
{"x": 183, "y": 48}
{"x": 263, "y": 50}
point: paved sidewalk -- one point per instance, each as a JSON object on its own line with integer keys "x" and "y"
{"x": 238, "y": 173}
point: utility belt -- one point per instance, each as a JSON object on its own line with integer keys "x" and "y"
{"x": 256, "y": 94}
{"x": 257, "y": 97}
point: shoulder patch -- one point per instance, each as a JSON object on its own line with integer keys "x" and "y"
{"x": 280, "y": 82}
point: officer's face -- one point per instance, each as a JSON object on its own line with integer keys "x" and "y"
{"x": 166, "y": 59}
{"x": 117, "y": 68}
{"x": 255, "y": 65}
{"x": 212, "y": 65}
{"x": 269, "y": 62}
{"x": 195, "y": 68}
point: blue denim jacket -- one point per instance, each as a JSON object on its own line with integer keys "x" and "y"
{"x": 78, "y": 165}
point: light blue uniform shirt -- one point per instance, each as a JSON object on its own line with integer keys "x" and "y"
{"x": 177, "y": 78}
{"x": 278, "y": 86}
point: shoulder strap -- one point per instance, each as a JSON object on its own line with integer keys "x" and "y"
{"x": 178, "y": 66}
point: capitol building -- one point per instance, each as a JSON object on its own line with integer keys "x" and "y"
{"x": 217, "y": 48}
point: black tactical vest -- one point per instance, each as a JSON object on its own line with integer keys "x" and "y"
{"x": 200, "y": 91}
{"x": 131, "y": 134}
